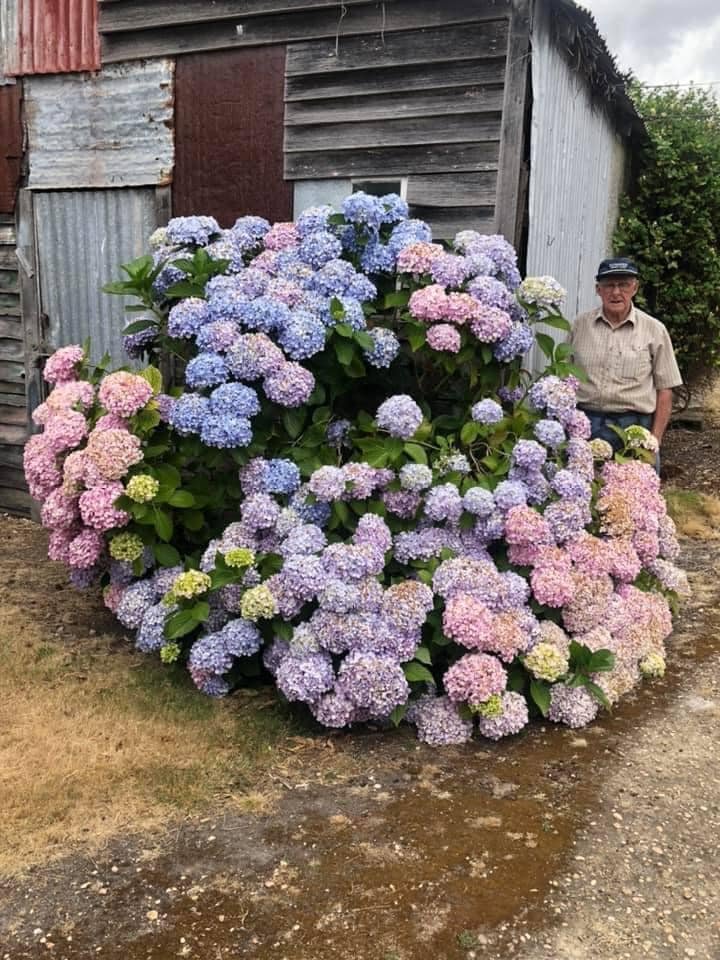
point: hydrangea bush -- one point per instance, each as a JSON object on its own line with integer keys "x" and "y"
{"x": 333, "y": 468}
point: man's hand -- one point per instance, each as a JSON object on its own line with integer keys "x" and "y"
{"x": 661, "y": 417}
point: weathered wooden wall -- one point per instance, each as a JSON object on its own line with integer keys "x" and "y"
{"x": 10, "y": 145}
{"x": 13, "y": 410}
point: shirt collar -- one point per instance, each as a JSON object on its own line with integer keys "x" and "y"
{"x": 630, "y": 318}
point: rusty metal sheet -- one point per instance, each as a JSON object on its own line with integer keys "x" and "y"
{"x": 229, "y": 135}
{"x": 111, "y": 129}
{"x": 10, "y": 146}
{"x": 9, "y": 49}
{"x": 50, "y": 36}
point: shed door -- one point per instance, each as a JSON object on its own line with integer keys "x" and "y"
{"x": 229, "y": 135}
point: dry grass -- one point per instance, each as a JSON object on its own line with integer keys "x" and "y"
{"x": 94, "y": 744}
{"x": 711, "y": 401}
{"x": 696, "y": 515}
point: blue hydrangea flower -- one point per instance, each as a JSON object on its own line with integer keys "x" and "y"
{"x": 400, "y": 416}
{"x": 319, "y": 248}
{"x": 353, "y": 313}
{"x": 334, "y": 278}
{"x": 192, "y": 230}
{"x": 241, "y": 637}
{"x": 206, "y": 370}
{"x": 281, "y": 476}
{"x": 188, "y": 413}
{"x": 378, "y": 257}
{"x": 364, "y": 210}
{"x": 187, "y": 317}
{"x": 407, "y": 232}
{"x": 303, "y": 335}
{"x": 338, "y": 432}
{"x": 516, "y": 343}
{"x": 313, "y": 219}
{"x": 151, "y": 635}
{"x": 385, "y": 349}
{"x": 236, "y": 399}
{"x": 226, "y": 431}
{"x": 487, "y": 411}
{"x": 394, "y": 208}
{"x": 265, "y": 314}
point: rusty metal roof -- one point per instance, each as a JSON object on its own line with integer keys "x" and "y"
{"x": 49, "y": 36}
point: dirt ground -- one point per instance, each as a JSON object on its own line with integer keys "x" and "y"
{"x": 557, "y": 845}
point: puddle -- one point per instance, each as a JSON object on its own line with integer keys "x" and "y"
{"x": 420, "y": 855}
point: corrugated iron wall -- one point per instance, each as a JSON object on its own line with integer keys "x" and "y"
{"x": 111, "y": 129}
{"x": 13, "y": 413}
{"x": 82, "y": 238}
{"x": 577, "y": 171}
{"x": 229, "y": 135}
{"x": 50, "y": 36}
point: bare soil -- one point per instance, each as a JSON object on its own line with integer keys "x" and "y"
{"x": 556, "y": 845}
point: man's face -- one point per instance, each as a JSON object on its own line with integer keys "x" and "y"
{"x": 617, "y": 293}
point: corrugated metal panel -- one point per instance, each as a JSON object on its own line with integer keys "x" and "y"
{"x": 229, "y": 121}
{"x": 577, "y": 169}
{"x": 10, "y": 146}
{"x": 82, "y": 238}
{"x": 113, "y": 129}
{"x": 52, "y": 36}
{"x": 9, "y": 48}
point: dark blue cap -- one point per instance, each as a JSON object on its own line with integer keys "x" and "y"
{"x": 617, "y": 267}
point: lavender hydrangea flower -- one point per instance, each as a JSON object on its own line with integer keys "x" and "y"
{"x": 573, "y": 706}
{"x": 513, "y": 718}
{"x": 192, "y": 230}
{"x": 376, "y": 684}
{"x": 487, "y": 411}
{"x": 385, "y": 348}
{"x": 206, "y": 370}
{"x": 305, "y": 677}
{"x": 438, "y": 721}
{"x": 400, "y": 416}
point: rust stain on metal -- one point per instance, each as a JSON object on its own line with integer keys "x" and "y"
{"x": 229, "y": 135}
{"x": 10, "y": 146}
{"x": 57, "y": 36}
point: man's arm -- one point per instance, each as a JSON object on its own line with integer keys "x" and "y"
{"x": 661, "y": 417}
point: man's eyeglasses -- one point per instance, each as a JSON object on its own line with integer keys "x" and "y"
{"x": 620, "y": 284}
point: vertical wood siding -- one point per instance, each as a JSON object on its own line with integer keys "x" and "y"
{"x": 229, "y": 135}
{"x": 10, "y": 146}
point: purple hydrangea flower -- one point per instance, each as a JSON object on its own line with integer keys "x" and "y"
{"x": 305, "y": 677}
{"x": 438, "y": 721}
{"x": 400, "y": 416}
{"x": 487, "y": 411}
{"x": 376, "y": 684}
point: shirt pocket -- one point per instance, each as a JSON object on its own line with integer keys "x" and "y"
{"x": 635, "y": 363}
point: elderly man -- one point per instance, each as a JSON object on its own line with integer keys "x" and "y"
{"x": 628, "y": 358}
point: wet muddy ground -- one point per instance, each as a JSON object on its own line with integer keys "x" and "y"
{"x": 557, "y": 845}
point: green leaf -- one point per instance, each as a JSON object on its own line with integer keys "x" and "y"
{"x": 469, "y": 432}
{"x": 423, "y": 655}
{"x": 137, "y": 326}
{"x": 415, "y": 672}
{"x": 398, "y": 713}
{"x": 181, "y": 498}
{"x": 147, "y": 419}
{"x": 416, "y": 337}
{"x": 179, "y": 624}
{"x": 163, "y": 525}
{"x": 166, "y": 555}
{"x": 344, "y": 330}
{"x": 546, "y": 344}
{"x": 294, "y": 421}
{"x": 363, "y": 339}
{"x": 598, "y": 693}
{"x": 601, "y": 661}
{"x": 201, "y": 610}
{"x": 344, "y": 351}
{"x": 152, "y": 375}
{"x": 192, "y": 519}
{"x": 168, "y": 476}
{"x": 120, "y": 287}
{"x": 563, "y": 351}
{"x": 416, "y": 452}
{"x": 557, "y": 321}
{"x": 398, "y": 298}
{"x": 540, "y": 692}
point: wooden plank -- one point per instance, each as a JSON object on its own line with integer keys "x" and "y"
{"x": 508, "y": 217}
{"x": 10, "y": 413}
{"x": 420, "y": 76}
{"x": 365, "y": 19}
{"x": 12, "y": 477}
{"x": 453, "y": 189}
{"x": 464, "y": 128}
{"x": 11, "y": 371}
{"x": 11, "y": 348}
{"x": 144, "y": 15}
{"x": 33, "y": 386}
{"x": 416, "y": 103}
{"x": 391, "y": 161}
{"x": 11, "y": 455}
{"x": 17, "y": 388}
{"x": 446, "y": 223}
{"x": 9, "y": 304}
{"x": 8, "y": 258}
{"x": 12, "y": 399}
{"x": 11, "y": 327}
{"x": 447, "y": 42}
{"x": 13, "y": 433}
{"x": 15, "y": 501}
{"x": 9, "y": 281}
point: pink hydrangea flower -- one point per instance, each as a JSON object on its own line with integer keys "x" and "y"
{"x": 468, "y": 621}
{"x": 60, "y": 511}
{"x": 41, "y": 469}
{"x": 442, "y": 336}
{"x": 124, "y": 393}
{"x": 474, "y": 678}
{"x": 429, "y": 303}
{"x": 65, "y": 431}
{"x": 491, "y": 324}
{"x": 97, "y": 506}
{"x": 85, "y": 549}
{"x": 113, "y": 452}
{"x": 418, "y": 258}
{"x": 462, "y": 308}
{"x": 62, "y": 365}
{"x": 110, "y": 421}
{"x": 281, "y": 236}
